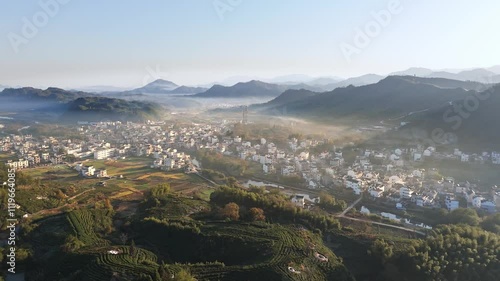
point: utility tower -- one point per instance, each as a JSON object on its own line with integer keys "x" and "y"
{"x": 244, "y": 120}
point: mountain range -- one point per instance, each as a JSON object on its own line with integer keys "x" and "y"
{"x": 252, "y": 88}
{"x": 389, "y": 98}
{"x": 473, "y": 122}
{"x": 243, "y": 86}
{"x": 161, "y": 86}
{"x": 422, "y": 103}
{"x": 491, "y": 75}
{"x": 419, "y": 101}
{"x": 355, "y": 81}
{"x": 71, "y": 106}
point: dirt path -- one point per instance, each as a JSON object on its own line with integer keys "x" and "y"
{"x": 341, "y": 215}
{"x": 387, "y": 225}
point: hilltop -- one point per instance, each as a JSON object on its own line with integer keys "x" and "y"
{"x": 74, "y": 105}
{"x": 392, "y": 97}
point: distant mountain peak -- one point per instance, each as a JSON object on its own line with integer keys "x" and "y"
{"x": 162, "y": 83}
{"x": 418, "y": 71}
{"x": 161, "y": 86}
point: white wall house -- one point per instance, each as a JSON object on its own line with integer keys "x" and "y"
{"x": 376, "y": 190}
{"x": 102, "y": 154}
{"x": 488, "y": 206}
{"x": 299, "y": 201}
{"x": 405, "y": 192}
{"x": 451, "y": 204}
{"x": 476, "y": 201}
{"x": 495, "y": 158}
{"x": 464, "y": 157}
{"x": 353, "y": 184}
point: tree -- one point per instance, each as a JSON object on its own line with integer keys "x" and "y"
{"x": 232, "y": 181}
{"x": 183, "y": 275}
{"x": 381, "y": 250}
{"x": 60, "y": 195}
{"x": 326, "y": 199}
{"x": 70, "y": 158}
{"x": 107, "y": 204}
{"x": 450, "y": 252}
{"x": 72, "y": 243}
{"x": 492, "y": 223}
{"x": 163, "y": 273}
{"x": 231, "y": 211}
{"x": 160, "y": 190}
{"x": 257, "y": 214}
{"x": 132, "y": 249}
{"x": 329, "y": 202}
{"x": 462, "y": 216}
{"x": 124, "y": 238}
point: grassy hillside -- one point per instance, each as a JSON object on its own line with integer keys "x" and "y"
{"x": 99, "y": 108}
{"x": 171, "y": 233}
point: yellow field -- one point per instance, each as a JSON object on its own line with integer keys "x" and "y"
{"x": 121, "y": 194}
{"x": 128, "y": 177}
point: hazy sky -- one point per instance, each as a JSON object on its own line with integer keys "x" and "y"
{"x": 120, "y": 42}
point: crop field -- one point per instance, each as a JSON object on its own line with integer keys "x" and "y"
{"x": 222, "y": 250}
{"x": 133, "y": 167}
{"x": 256, "y": 250}
{"x": 290, "y": 248}
{"x": 84, "y": 223}
{"x": 130, "y": 178}
{"x": 104, "y": 264}
{"x": 177, "y": 206}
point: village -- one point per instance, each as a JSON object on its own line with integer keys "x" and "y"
{"x": 391, "y": 176}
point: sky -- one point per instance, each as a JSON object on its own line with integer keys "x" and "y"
{"x": 124, "y": 43}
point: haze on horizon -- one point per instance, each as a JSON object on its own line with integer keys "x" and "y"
{"x": 121, "y": 43}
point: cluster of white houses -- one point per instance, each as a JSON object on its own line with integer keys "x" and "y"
{"x": 405, "y": 188}
{"x": 387, "y": 174}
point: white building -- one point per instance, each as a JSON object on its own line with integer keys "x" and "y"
{"x": 353, "y": 184}
{"x": 405, "y": 192}
{"x": 103, "y": 154}
{"x": 268, "y": 168}
{"x": 417, "y": 156}
{"x": 376, "y": 190}
{"x": 464, "y": 158}
{"x": 87, "y": 171}
{"x": 451, "y": 204}
{"x": 488, "y": 206}
{"x": 390, "y": 216}
{"x": 477, "y": 201}
{"x": 299, "y": 201}
{"x": 495, "y": 158}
